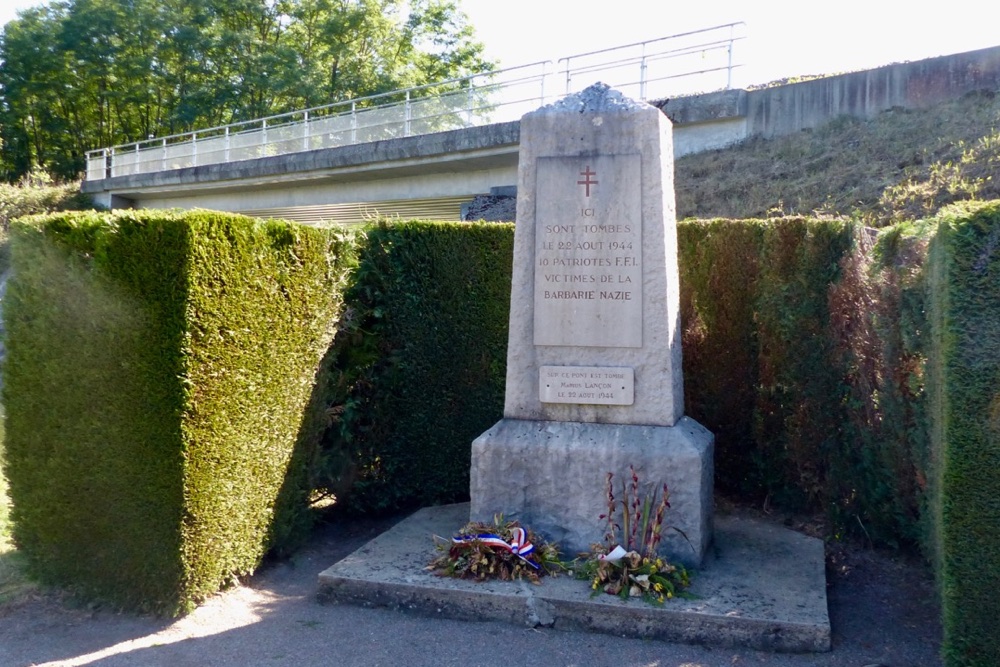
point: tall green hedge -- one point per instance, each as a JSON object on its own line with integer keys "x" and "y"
{"x": 827, "y": 358}
{"x": 965, "y": 434}
{"x": 719, "y": 264}
{"x": 879, "y": 480}
{"x": 170, "y": 377}
{"x": 797, "y": 413}
{"x": 802, "y": 355}
{"x": 860, "y": 375}
{"x": 783, "y": 351}
{"x": 160, "y": 410}
{"x": 423, "y": 355}
{"x": 33, "y": 195}
{"x": 759, "y": 365}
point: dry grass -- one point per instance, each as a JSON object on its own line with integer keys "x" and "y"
{"x": 902, "y": 164}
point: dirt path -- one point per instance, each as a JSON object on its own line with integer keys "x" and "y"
{"x": 882, "y": 609}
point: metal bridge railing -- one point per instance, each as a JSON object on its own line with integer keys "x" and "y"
{"x": 685, "y": 63}
{"x": 639, "y": 70}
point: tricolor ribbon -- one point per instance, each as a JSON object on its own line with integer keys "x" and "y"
{"x": 519, "y": 544}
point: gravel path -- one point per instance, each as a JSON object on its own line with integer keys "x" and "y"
{"x": 882, "y": 608}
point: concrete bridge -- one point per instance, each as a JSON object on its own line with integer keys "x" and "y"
{"x": 433, "y": 175}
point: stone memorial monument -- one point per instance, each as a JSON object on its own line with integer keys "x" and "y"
{"x": 594, "y": 380}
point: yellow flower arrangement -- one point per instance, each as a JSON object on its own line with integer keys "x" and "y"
{"x": 631, "y": 567}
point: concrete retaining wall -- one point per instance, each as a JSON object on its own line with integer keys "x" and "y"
{"x": 705, "y": 122}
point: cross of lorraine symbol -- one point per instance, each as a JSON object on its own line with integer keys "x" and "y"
{"x": 587, "y": 182}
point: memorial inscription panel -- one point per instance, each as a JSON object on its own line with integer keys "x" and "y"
{"x": 594, "y": 385}
{"x": 588, "y": 251}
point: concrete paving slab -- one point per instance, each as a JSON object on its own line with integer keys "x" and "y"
{"x": 762, "y": 587}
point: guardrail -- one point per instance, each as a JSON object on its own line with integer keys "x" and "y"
{"x": 638, "y": 70}
{"x": 684, "y": 63}
{"x": 444, "y": 105}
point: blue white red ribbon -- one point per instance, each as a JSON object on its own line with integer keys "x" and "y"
{"x": 519, "y": 544}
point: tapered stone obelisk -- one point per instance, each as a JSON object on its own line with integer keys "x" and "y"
{"x": 594, "y": 380}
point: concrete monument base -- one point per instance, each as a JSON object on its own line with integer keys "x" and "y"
{"x": 762, "y": 586}
{"x": 552, "y": 476}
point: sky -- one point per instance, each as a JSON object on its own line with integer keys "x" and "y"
{"x": 784, "y": 38}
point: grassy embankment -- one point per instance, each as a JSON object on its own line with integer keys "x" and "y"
{"x": 900, "y": 165}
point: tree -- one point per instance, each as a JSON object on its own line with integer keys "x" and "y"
{"x": 82, "y": 74}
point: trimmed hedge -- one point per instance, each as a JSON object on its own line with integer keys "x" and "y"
{"x": 719, "y": 266}
{"x": 167, "y": 385}
{"x": 965, "y": 434}
{"x": 807, "y": 352}
{"x": 798, "y": 356}
{"x": 783, "y": 351}
{"x": 160, "y": 410}
{"x": 879, "y": 482}
{"x": 797, "y": 417}
{"x": 32, "y": 196}
{"x": 424, "y": 357}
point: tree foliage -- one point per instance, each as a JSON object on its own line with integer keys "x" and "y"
{"x": 82, "y": 74}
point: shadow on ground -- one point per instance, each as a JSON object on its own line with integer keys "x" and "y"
{"x": 883, "y": 611}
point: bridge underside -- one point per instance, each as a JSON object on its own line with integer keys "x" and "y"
{"x": 429, "y": 176}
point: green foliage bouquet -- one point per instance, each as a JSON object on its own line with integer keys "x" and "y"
{"x": 630, "y": 566}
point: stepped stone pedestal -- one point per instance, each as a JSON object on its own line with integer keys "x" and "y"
{"x": 553, "y": 474}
